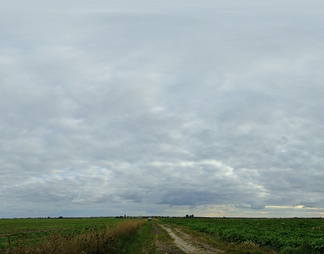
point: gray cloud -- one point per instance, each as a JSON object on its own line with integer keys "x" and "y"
{"x": 212, "y": 108}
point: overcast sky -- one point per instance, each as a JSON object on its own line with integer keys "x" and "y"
{"x": 173, "y": 107}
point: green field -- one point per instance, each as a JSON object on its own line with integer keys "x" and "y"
{"x": 135, "y": 236}
{"x": 31, "y": 231}
{"x": 87, "y": 235}
{"x": 295, "y": 236}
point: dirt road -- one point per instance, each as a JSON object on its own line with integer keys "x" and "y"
{"x": 187, "y": 243}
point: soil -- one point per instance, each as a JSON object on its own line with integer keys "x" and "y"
{"x": 187, "y": 243}
{"x": 163, "y": 246}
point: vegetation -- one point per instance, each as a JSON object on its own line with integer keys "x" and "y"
{"x": 135, "y": 236}
{"x": 100, "y": 235}
{"x": 286, "y": 236}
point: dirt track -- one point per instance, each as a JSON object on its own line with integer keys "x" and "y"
{"x": 189, "y": 244}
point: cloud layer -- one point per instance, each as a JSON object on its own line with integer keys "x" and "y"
{"x": 166, "y": 108}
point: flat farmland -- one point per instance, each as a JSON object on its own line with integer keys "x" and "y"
{"x": 288, "y": 236}
{"x": 162, "y": 235}
{"x": 66, "y": 235}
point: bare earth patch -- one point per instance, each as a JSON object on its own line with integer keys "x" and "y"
{"x": 189, "y": 244}
{"x": 164, "y": 246}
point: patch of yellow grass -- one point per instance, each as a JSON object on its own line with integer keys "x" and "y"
{"x": 97, "y": 241}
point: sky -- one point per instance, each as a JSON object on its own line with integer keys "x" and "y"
{"x": 175, "y": 107}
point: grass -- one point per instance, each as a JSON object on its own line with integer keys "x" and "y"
{"x": 150, "y": 238}
{"x": 69, "y": 235}
{"x": 142, "y": 242}
{"x": 139, "y": 236}
{"x": 164, "y": 242}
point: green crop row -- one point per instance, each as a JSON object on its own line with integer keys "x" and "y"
{"x": 30, "y": 231}
{"x": 283, "y": 235}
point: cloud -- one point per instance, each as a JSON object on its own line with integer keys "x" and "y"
{"x": 170, "y": 108}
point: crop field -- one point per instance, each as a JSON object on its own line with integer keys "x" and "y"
{"x": 289, "y": 236}
{"x": 86, "y": 235}
{"x": 136, "y": 236}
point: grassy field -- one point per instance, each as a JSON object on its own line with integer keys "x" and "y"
{"x": 86, "y": 235}
{"x": 286, "y": 236}
{"x": 135, "y": 236}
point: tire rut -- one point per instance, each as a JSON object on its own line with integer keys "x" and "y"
{"x": 189, "y": 244}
